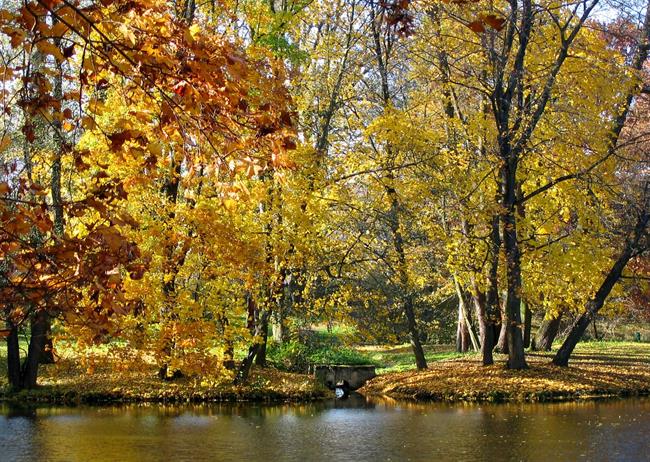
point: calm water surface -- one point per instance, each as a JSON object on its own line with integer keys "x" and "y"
{"x": 354, "y": 430}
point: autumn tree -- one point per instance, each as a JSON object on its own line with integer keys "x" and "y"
{"x": 191, "y": 109}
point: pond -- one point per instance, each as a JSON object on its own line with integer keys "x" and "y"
{"x": 356, "y": 429}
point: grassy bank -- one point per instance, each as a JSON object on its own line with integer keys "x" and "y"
{"x": 598, "y": 369}
{"x": 389, "y": 359}
{"x": 71, "y": 381}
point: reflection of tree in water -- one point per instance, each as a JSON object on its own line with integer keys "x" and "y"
{"x": 12, "y": 410}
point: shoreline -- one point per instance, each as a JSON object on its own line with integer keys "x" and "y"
{"x": 63, "y": 397}
{"x": 613, "y": 373}
{"x": 596, "y": 372}
{"x": 503, "y": 398}
{"x": 106, "y": 387}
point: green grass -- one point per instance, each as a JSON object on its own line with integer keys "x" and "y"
{"x": 339, "y": 333}
{"x": 400, "y": 358}
{"x": 297, "y": 357}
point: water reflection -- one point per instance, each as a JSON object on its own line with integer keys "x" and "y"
{"x": 355, "y": 429}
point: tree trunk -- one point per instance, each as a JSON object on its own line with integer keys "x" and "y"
{"x": 229, "y": 356}
{"x": 253, "y": 350}
{"x": 402, "y": 269}
{"x": 245, "y": 366}
{"x": 229, "y": 348}
{"x": 462, "y": 333}
{"x": 37, "y": 339}
{"x": 260, "y": 357}
{"x": 502, "y": 343}
{"x": 547, "y": 333}
{"x": 508, "y": 219}
{"x": 478, "y": 298}
{"x": 596, "y": 303}
{"x": 492, "y": 309}
{"x": 13, "y": 358}
{"x": 278, "y": 327}
{"x": 528, "y": 315}
{"x": 416, "y": 344}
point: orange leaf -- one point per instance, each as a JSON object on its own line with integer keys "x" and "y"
{"x": 493, "y": 21}
{"x": 4, "y": 143}
{"x": 477, "y": 26}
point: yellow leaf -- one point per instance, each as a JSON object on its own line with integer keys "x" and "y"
{"x": 4, "y": 143}
{"x": 155, "y": 148}
{"x": 50, "y": 49}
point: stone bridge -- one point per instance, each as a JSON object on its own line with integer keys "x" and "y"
{"x": 351, "y": 377}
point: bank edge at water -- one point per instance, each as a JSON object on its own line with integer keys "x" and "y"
{"x": 468, "y": 381}
{"x": 265, "y": 386}
{"x": 503, "y": 397}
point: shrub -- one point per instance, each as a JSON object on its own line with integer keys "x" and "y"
{"x": 294, "y": 356}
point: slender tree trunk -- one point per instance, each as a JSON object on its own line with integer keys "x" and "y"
{"x": 527, "y": 324}
{"x": 462, "y": 333}
{"x": 465, "y": 332}
{"x": 229, "y": 355}
{"x": 285, "y": 297}
{"x": 42, "y": 140}
{"x": 478, "y": 299}
{"x": 173, "y": 263}
{"x": 486, "y": 328}
{"x": 171, "y": 266}
{"x": 407, "y": 298}
{"x": 278, "y": 327}
{"x": 229, "y": 348}
{"x": 502, "y": 342}
{"x": 246, "y": 364}
{"x": 596, "y": 303}
{"x": 416, "y": 344}
{"x": 260, "y": 357}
